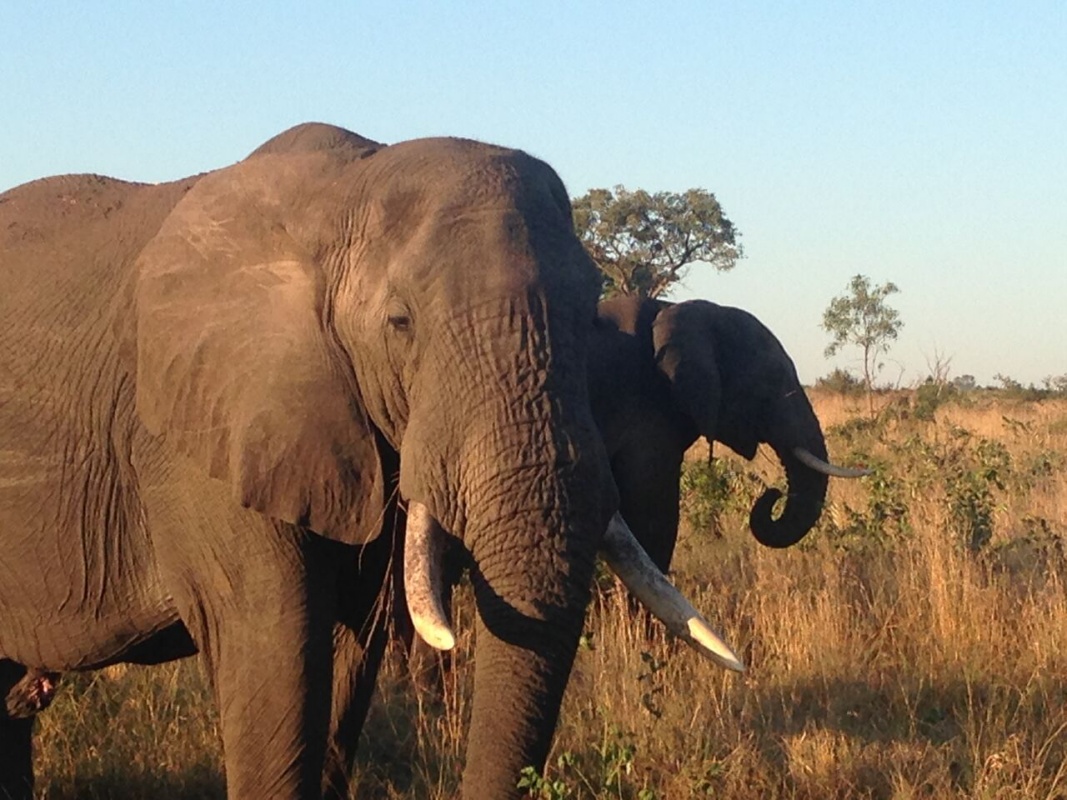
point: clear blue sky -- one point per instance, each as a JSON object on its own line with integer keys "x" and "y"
{"x": 919, "y": 142}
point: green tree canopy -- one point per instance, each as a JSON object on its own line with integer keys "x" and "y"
{"x": 643, "y": 242}
{"x": 861, "y": 317}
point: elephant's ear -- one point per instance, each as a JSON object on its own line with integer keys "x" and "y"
{"x": 237, "y": 367}
{"x": 684, "y": 339}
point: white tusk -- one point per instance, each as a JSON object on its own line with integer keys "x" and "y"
{"x": 423, "y": 552}
{"x": 834, "y": 471}
{"x": 631, "y": 563}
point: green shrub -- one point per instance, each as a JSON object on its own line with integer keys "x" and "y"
{"x": 930, "y": 396}
{"x": 841, "y": 381}
{"x": 710, "y": 490}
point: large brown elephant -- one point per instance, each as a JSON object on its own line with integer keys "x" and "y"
{"x": 214, "y": 394}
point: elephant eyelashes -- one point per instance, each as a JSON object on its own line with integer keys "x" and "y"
{"x": 399, "y": 322}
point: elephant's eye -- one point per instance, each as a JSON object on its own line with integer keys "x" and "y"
{"x": 400, "y": 322}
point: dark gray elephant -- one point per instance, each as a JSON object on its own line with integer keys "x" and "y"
{"x": 663, "y": 374}
{"x": 213, "y": 394}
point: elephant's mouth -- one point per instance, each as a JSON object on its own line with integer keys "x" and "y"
{"x": 423, "y": 586}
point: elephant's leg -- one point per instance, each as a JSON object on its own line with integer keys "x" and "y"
{"x": 16, "y": 763}
{"x": 647, "y": 477}
{"x": 16, "y": 740}
{"x": 356, "y": 660}
{"x": 647, "y": 474}
{"x": 270, "y": 654}
{"x": 370, "y": 590}
{"x": 260, "y": 599}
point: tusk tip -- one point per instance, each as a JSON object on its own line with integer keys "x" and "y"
{"x": 439, "y": 637}
{"x": 443, "y": 640}
{"x": 708, "y": 644}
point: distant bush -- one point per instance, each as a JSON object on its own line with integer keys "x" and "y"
{"x": 1013, "y": 389}
{"x": 930, "y": 395}
{"x": 1057, "y": 384}
{"x": 964, "y": 383}
{"x": 841, "y": 381}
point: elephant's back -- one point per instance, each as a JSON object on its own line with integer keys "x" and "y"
{"x": 67, "y": 248}
{"x": 60, "y": 221}
{"x": 67, "y": 245}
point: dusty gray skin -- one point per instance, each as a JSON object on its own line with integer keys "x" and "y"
{"x": 213, "y": 393}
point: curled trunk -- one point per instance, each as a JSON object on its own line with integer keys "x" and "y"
{"x": 803, "y": 505}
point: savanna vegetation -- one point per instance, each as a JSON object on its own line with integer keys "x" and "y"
{"x": 913, "y": 646}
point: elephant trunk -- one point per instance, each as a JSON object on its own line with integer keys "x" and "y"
{"x": 513, "y": 468}
{"x": 533, "y": 530}
{"x": 807, "y": 491}
{"x": 530, "y": 617}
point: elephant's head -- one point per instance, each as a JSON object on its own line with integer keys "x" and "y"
{"x": 330, "y": 298}
{"x": 663, "y": 374}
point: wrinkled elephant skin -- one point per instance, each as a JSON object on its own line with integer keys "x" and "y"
{"x": 213, "y": 393}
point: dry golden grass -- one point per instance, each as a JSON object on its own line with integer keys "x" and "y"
{"x": 913, "y": 646}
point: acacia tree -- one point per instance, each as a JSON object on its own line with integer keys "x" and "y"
{"x": 861, "y": 317}
{"x": 643, "y": 242}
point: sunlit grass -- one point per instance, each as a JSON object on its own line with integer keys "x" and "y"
{"x": 913, "y": 646}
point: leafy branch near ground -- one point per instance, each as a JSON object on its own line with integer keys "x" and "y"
{"x": 607, "y": 770}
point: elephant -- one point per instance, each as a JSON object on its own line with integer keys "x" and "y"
{"x": 660, "y": 375}
{"x": 663, "y": 374}
{"x": 231, "y": 404}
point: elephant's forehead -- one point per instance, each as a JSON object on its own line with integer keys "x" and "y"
{"x": 460, "y": 173}
{"x": 463, "y": 258}
{"x": 453, "y": 151}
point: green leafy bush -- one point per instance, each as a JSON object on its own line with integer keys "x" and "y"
{"x": 709, "y": 491}
{"x": 841, "y": 381}
{"x": 930, "y": 396}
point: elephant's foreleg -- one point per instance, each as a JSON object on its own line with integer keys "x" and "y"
{"x": 356, "y": 661}
{"x": 270, "y": 658}
{"x": 368, "y": 597}
{"x": 16, "y": 735}
{"x": 269, "y": 653}
{"x": 259, "y": 599}
{"x": 647, "y": 478}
